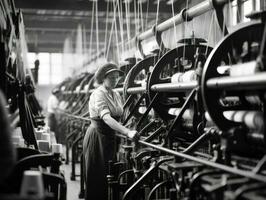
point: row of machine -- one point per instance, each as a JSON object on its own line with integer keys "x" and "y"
{"x": 199, "y": 111}
{"x": 30, "y": 158}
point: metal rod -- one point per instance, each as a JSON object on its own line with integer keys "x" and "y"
{"x": 74, "y": 116}
{"x": 147, "y": 111}
{"x": 154, "y": 134}
{"x": 132, "y": 189}
{"x": 190, "y": 13}
{"x": 10, "y": 76}
{"x": 204, "y": 137}
{"x": 119, "y": 90}
{"x": 128, "y": 101}
{"x": 136, "y": 90}
{"x": 184, "y": 107}
{"x": 256, "y": 81}
{"x": 145, "y": 128}
{"x": 174, "y": 87}
{"x": 222, "y": 167}
{"x": 136, "y": 106}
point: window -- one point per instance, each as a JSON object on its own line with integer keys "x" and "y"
{"x": 56, "y": 68}
{"x": 50, "y": 69}
{"x": 235, "y": 13}
{"x": 31, "y": 59}
{"x": 44, "y": 69}
{"x": 241, "y": 8}
{"x": 247, "y": 9}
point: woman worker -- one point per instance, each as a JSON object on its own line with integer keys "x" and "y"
{"x": 105, "y": 108}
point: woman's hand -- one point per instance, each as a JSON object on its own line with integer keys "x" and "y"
{"x": 132, "y": 134}
{"x": 115, "y": 125}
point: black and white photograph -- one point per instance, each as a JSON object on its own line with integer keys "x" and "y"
{"x": 132, "y": 99}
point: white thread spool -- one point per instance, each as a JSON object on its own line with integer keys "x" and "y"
{"x": 253, "y": 99}
{"x": 238, "y": 116}
{"x": 143, "y": 83}
{"x": 57, "y": 148}
{"x": 171, "y": 111}
{"x": 46, "y": 136}
{"x": 17, "y": 132}
{"x": 142, "y": 109}
{"x": 189, "y": 76}
{"x": 43, "y": 145}
{"x": 38, "y": 134}
{"x": 252, "y": 119}
{"x": 243, "y": 69}
{"x": 188, "y": 114}
{"x": 32, "y": 185}
{"x": 176, "y": 78}
{"x": 16, "y": 140}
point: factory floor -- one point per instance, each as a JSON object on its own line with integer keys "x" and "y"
{"x": 73, "y": 187}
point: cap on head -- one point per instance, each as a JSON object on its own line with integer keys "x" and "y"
{"x": 104, "y": 70}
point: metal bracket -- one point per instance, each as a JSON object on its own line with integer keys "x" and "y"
{"x": 139, "y": 47}
{"x": 220, "y": 16}
{"x": 158, "y": 38}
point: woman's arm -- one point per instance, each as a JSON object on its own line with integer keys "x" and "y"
{"x": 104, "y": 114}
{"x": 115, "y": 125}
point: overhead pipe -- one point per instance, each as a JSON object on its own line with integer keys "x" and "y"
{"x": 184, "y": 15}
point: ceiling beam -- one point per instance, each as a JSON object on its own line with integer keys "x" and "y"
{"x": 58, "y": 36}
{"x": 53, "y": 47}
{"x": 81, "y": 15}
{"x": 41, "y": 30}
{"x": 85, "y": 5}
{"x": 48, "y": 24}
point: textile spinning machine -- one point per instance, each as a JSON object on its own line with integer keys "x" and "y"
{"x": 171, "y": 89}
{"x": 199, "y": 109}
{"x": 72, "y": 115}
{"x": 209, "y": 143}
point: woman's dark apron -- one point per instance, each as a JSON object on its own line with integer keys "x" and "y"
{"x": 98, "y": 148}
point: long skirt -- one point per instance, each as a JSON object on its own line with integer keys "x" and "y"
{"x": 98, "y": 149}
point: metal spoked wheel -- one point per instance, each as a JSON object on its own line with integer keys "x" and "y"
{"x": 179, "y": 60}
{"x": 221, "y": 88}
{"x": 137, "y": 77}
